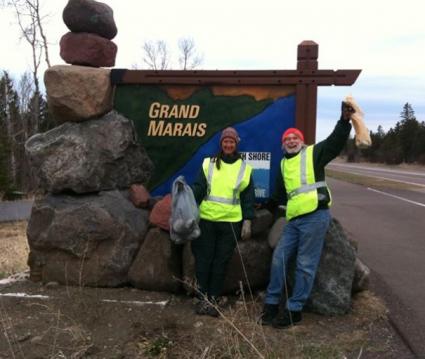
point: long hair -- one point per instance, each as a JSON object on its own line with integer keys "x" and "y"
{"x": 219, "y": 156}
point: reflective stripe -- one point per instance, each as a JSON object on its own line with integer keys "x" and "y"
{"x": 303, "y": 167}
{"x": 223, "y": 200}
{"x": 210, "y": 173}
{"x": 239, "y": 179}
{"x": 306, "y": 188}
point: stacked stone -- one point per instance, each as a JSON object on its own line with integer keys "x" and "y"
{"x": 84, "y": 230}
{"x": 92, "y": 28}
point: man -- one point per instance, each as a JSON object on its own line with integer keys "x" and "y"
{"x": 302, "y": 188}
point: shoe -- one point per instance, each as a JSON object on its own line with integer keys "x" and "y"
{"x": 201, "y": 308}
{"x": 268, "y": 314}
{"x": 287, "y": 319}
{"x": 212, "y": 311}
{"x": 204, "y": 307}
{"x": 213, "y": 306}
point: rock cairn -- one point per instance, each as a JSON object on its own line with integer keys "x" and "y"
{"x": 97, "y": 225}
{"x": 92, "y": 27}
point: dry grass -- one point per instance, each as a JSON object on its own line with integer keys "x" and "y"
{"x": 373, "y": 182}
{"x": 238, "y": 335}
{"x": 13, "y": 248}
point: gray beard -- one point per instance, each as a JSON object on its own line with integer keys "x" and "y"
{"x": 294, "y": 150}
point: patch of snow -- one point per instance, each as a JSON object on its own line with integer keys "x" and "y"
{"x": 24, "y": 295}
{"x": 17, "y": 277}
{"x": 135, "y": 302}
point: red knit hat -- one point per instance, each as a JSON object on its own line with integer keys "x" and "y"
{"x": 294, "y": 131}
{"x": 230, "y": 132}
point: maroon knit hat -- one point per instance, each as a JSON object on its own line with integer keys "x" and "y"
{"x": 230, "y": 132}
{"x": 294, "y": 131}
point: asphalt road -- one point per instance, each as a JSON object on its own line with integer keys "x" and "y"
{"x": 15, "y": 210}
{"x": 390, "y": 229}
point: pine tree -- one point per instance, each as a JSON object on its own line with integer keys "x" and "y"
{"x": 407, "y": 132}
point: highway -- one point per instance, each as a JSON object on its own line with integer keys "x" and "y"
{"x": 389, "y": 226}
{"x": 15, "y": 210}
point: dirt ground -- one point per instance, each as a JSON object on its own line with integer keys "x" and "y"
{"x": 73, "y": 322}
{"x": 54, "y": 321}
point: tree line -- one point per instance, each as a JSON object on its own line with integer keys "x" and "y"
{"x": 23, "y": 112}
{"x": 403, "y": 143}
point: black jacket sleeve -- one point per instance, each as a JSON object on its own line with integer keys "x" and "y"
{"x": 199, "y": 187}
{"x": 326, "y": 150}
{"x": 247, "y": 197}
{"x": 279, "y": 195}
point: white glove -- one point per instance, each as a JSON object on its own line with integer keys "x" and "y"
{"x": 246, "y": 229}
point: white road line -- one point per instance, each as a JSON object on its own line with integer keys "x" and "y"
{"x": 397, "y": 197}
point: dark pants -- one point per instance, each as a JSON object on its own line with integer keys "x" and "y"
{"x": 213, "y": 251}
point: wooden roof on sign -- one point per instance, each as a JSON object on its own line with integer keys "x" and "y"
{"x": 305, "y": 78}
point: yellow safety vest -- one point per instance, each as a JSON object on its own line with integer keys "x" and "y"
{"x": 224, "y": 185}
{"x": 300, "y": 183}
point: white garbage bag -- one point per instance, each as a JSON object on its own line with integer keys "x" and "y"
{"x": 184, "y": 213}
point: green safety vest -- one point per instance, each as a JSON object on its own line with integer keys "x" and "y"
{"x": 224, "y": 185}
{"x": 300, "y": 183}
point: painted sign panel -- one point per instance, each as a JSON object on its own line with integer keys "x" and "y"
{"x": 180, "y": 125}
{"x": 260, "y": 162}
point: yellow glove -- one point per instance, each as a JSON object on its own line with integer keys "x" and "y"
{"x": 246, "y": 229}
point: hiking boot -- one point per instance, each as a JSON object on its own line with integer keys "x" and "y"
{"x": 213, "y": 306}
{"x": 287, "y": 319}
{"x": 201, "y": 308}
{"x": 268, "y": 314}
{"x": 212, "y": 311}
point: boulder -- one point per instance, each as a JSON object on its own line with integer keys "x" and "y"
{"x": 88, "y": 157}
{"x": 161, "y": 213}
{"x": 77, "y": 93}
{"x": 88, "y": 240}
{"x": 139, "y": 196}
{"x": 249, "y": 267}
{"x": 90, "y": 16}
{"x": 261, "y": 222}
{"x": 276, "y": 232}
{"x": 331, "y": 294}
{"x": 361, "y": 279}
{"x": 87, "y": 50}
{"x": 158, "y": 263}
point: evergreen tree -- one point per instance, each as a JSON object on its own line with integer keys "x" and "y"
{"x": 407, "y": 132}
{"x": 5, "y": 145}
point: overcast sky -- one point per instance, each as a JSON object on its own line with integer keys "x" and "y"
{"x": 384, "y": 39}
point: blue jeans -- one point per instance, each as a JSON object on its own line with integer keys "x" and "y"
{"x": 303, "y": 239}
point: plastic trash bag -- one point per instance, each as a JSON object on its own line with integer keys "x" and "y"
{"x": 184, "y": 213}
{"x": 363, "y": 139}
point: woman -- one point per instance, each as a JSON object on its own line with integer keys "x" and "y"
{"x": 224, "y": 191}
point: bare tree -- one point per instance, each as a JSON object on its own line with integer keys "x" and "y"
{"x": 25, "y": 92}
{"x": 156, "y": 55}
{"x": 30, "y": 21}
{"x": 188, "y": 58}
